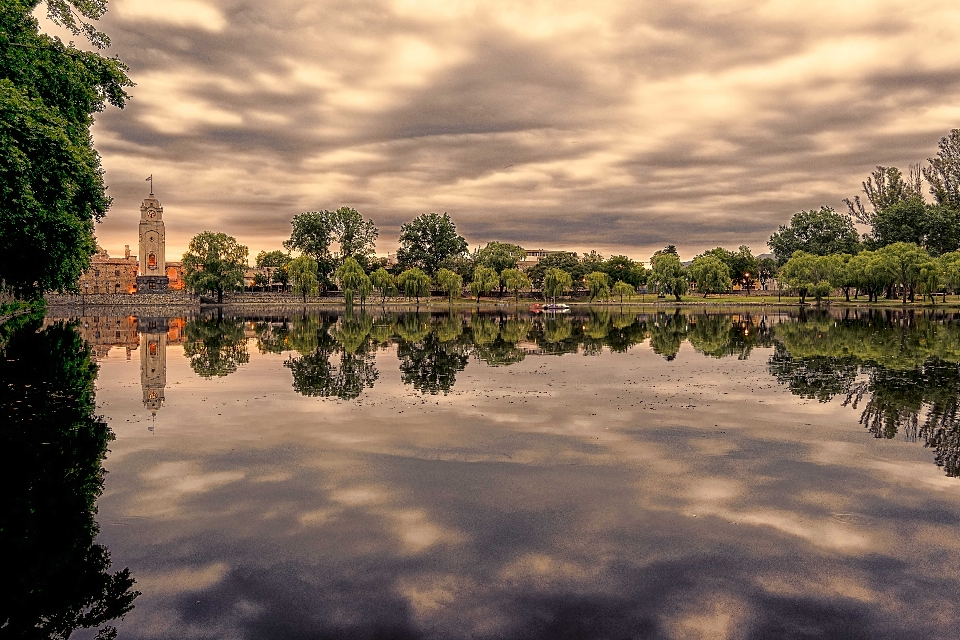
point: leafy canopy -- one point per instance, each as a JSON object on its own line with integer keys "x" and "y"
{"x": 427, "y": 241}
{"x": 214, "y": 262}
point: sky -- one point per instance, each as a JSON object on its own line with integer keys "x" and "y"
{"x": 607, "y": 125}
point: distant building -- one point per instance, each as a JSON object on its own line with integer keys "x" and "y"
{"x": 153, "y": 265}
{"x": 536, "y": 255}
{"x": 110, "y": 275}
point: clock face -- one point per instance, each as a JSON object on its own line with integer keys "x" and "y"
{"x": 151, "y": 213}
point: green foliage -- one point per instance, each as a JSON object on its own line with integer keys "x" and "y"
{"x": 314, "y": 233}
{"x": 56, "y": 577}
{"x": 943, "y": 172}
{"x": 820, "y": 233}
{"x": 384, "y": 282}
{"x": 884, "y": 188}
{"x": 809, "y": 274}
{"x": 766, "y": 270}
{"x": 352, "y": 280}
{"x": 450, "y": 282}
{"x": 623, "y": 269}
{"x": 904, "y": 260}
{"x": 500, "y": 255}
{"x": 51, "y": 181}
{"x": 214, "y": 262}
{"x": 303, "y": 276}
{"x": 667, "y": 275}
{"x": 565, "y": 261}
{"x": 710, "y": 273}
{"x": 427, "y": 241}
{"x": 515, "y": 281}
{"x": 484, "y": 280}
{"x": 623, "y": 289}
{"x": 414, "y": 283}
{"x": 555, "y": 282}
{"x": 274, "y": 259}
{"x": 598, "y": 284}
{"x": 215, "y": 346}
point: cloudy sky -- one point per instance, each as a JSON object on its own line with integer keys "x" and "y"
{"x": 619, "y": 126}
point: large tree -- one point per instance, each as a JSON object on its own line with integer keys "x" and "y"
{"x": 821, "y": 232}
{"x": 943, "y": 172}
{"x": 51, "y": 181}
{"x": 884, "y": 188}
{"x": 427, "y": 241}
{"x": 315, "y": 232}
{"x": 711, "y": 274}
{"x": 214, "y": 262}
{"x": 500, "y": 256}
{"x": 667, "y": 274}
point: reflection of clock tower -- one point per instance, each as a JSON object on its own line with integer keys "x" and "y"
{"x": 153, "y": 264}
{"x": 153, "y": 362}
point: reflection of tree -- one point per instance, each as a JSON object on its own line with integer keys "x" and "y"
{"x": 54, "y": 574}
{"x": 313, "y": 372}
{"x": 722, "y": 335}
{"x": 667, "y": 332}
{"x": 273, "y": 337}
{"x": 495, "y": 342}
{"x": 215, "y": 346}
{"x": 875, "y": 360}
{"x": 427, "y": 362}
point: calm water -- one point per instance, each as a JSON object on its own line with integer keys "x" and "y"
{"x": 605, "y": 475}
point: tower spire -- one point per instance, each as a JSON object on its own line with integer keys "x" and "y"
{"x": 150, "y": 180}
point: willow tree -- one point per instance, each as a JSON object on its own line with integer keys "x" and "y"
{"x": 415, "y": 283}
{"x": 515, "y": 281}
{"x": 303, "y": 276}
{"x": 352, "y": 280}
{"x": 556, "y": 282}
{"x": 621, "y": 288}
{"x": 384, "y": 282}
{"x": 598, "y": 284}
{"x": 484, "y": 280}
{"x": 450, "y": 282}
{"x": 214, "y": 262}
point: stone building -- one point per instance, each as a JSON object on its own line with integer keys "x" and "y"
{"x": 110, "y": 275}
{"x": 153, "y": 264}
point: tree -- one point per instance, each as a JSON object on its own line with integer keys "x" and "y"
{"x": 275, "y": 262}
{"x": 943, "y": 172}
{"x": 884, "y": 188}
{"x": 516, "y": 281}
{"x": 598, "y": 284}
{"x": 820, "y": 233}
{"x": 903, "y": 221}
{"x": 500, "y": 256}
{"x": 711, "y": 274}
{"x": 622, "y": 268}
{"x": 51, "y": 180}
{"x": 621, "y": 288}
{"x": 950, "y": 263}
{"x": 484, "y": 280}
{"x": 450, "y": 282}
{"x": 555, "y": 282}
{"x": 357, "y": 237}
{"x": 869, "y": 273}
{"x": 303, "y": 276}
{"x": 311, "y": 236}
{"x": 667, "y": 274}
{"x": 414, "y": 283}
{"x": 427, "y": 241}
{"x": 214, "y": 262}
{"x": 807, "y": 273}
{"x": 352, "y": 279}
{"x": 384, "y": 283}
{"x": 905, "y": 260}
{"x": 564, "y": 260}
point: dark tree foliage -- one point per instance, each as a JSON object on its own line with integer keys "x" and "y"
{"x": 56, "y": 578}
{"x": 884, "y": 188}
{"x": 565, "y": 261}
{"x": 667, "y": 333}
{"x": 943, "y": 172}
{"x": 215, "y": 346}
{"x": 427, "y": 362}
{"x": 821, "y": 232}
{"x": 315, "y": 374}
{"x": 903, "y": 371}
{"x": 428, "y": 241}
{"x": 51, "y": 181}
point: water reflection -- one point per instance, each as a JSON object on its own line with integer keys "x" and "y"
{"x": 56, "y": 577}
{"x": 901, "y": 368}
{"x": 215, "y": 345}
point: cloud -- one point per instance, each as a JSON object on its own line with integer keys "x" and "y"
{"x": 581, "y": 125}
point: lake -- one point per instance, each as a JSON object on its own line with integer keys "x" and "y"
{"x": 611, "y": 473}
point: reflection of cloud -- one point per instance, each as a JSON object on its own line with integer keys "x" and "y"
{"x": 180, "y": 580}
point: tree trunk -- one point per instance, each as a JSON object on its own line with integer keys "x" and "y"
{"x": 219, "y": 296}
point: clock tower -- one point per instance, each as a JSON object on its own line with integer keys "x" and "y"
{"x": 153, "y": 265}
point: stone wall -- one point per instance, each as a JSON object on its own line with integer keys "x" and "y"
{"x": 268, "y": 297}
{"x": 127, "y": 302}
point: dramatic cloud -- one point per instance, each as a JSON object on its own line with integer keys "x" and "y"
{"x": 601, "y": 124}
